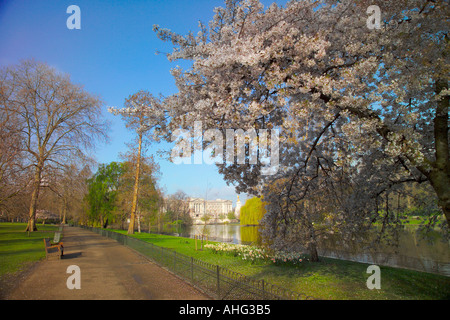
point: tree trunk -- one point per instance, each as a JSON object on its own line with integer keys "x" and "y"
{"x": 136, "y": 187}
{"x": 312, "y": 244}
{"x": 105, "y": 225}
{"x": 312, "y": 247}
{"x": 440, "y": 174}
{"x": 311, "y": 240}
{"x": 441, "y": 185}
{"x": 139, "y": 223}
{"x": 64, "y": 211}
{"x": 31, "y": 226}
{"x": 314, "y": 256}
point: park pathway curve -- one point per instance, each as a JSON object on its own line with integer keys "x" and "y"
{"x": 109, "y": 271}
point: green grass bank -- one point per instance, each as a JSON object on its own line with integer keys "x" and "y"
{"x": 19, "y": 248}
{"x": 328, "y": 279}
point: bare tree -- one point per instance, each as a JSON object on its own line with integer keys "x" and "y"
{"x": 14, "y": 176}
{"x": 69, "y": 186}
{"x": 178, "y": 206}
{"x": 58, "y": 119}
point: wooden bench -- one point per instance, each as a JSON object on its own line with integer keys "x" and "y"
{"x": 53, "y": 249}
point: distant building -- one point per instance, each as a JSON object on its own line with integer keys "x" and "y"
{"x": 213, "y": 208}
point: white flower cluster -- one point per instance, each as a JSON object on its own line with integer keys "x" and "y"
{"x": 350, "y": 103}
{"x": 254, "y": 254}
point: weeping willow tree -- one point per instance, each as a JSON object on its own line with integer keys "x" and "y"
{"x": 252, "y": 211}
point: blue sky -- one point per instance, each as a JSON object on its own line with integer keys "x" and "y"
{"x": 113, "y": 56}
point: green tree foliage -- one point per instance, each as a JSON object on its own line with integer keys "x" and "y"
{"x": 110, "y": 193}
{"x": 148, "y": 193}
{"x": 252, "y": 211}
{"x": 103, "y": 190}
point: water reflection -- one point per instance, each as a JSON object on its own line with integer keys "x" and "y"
{"x": 413, "y": 251}
{"x": 223, "y": 233}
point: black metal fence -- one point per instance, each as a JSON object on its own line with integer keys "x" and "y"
{"x": 220, "y": 283}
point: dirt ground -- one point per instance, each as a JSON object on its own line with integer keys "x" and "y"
{"x": 108, "y": 271}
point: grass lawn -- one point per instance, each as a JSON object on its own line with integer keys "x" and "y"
{"x": 327, "y": 279}
{"x": 18, "y": 248}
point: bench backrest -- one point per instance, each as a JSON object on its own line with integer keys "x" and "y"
{"x": 47, "y": 243}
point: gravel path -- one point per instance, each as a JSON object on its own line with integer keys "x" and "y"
{"x": 109, "y": 271}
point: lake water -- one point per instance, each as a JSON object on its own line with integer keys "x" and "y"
{"x": 413, "y": 252}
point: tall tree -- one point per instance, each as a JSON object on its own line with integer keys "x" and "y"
{"x": 58, "y": 118}
{"x": 72, "y": 188}
{"x": 144, "y": 115}
{"x": 148, "y": 194}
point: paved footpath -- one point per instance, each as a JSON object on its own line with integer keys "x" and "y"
{"x": 109, "y": 271}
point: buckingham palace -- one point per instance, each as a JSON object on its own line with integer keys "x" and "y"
{"x": 213, "y": 208}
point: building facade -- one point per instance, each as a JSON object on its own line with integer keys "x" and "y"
{"x": 215, "y": 209}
